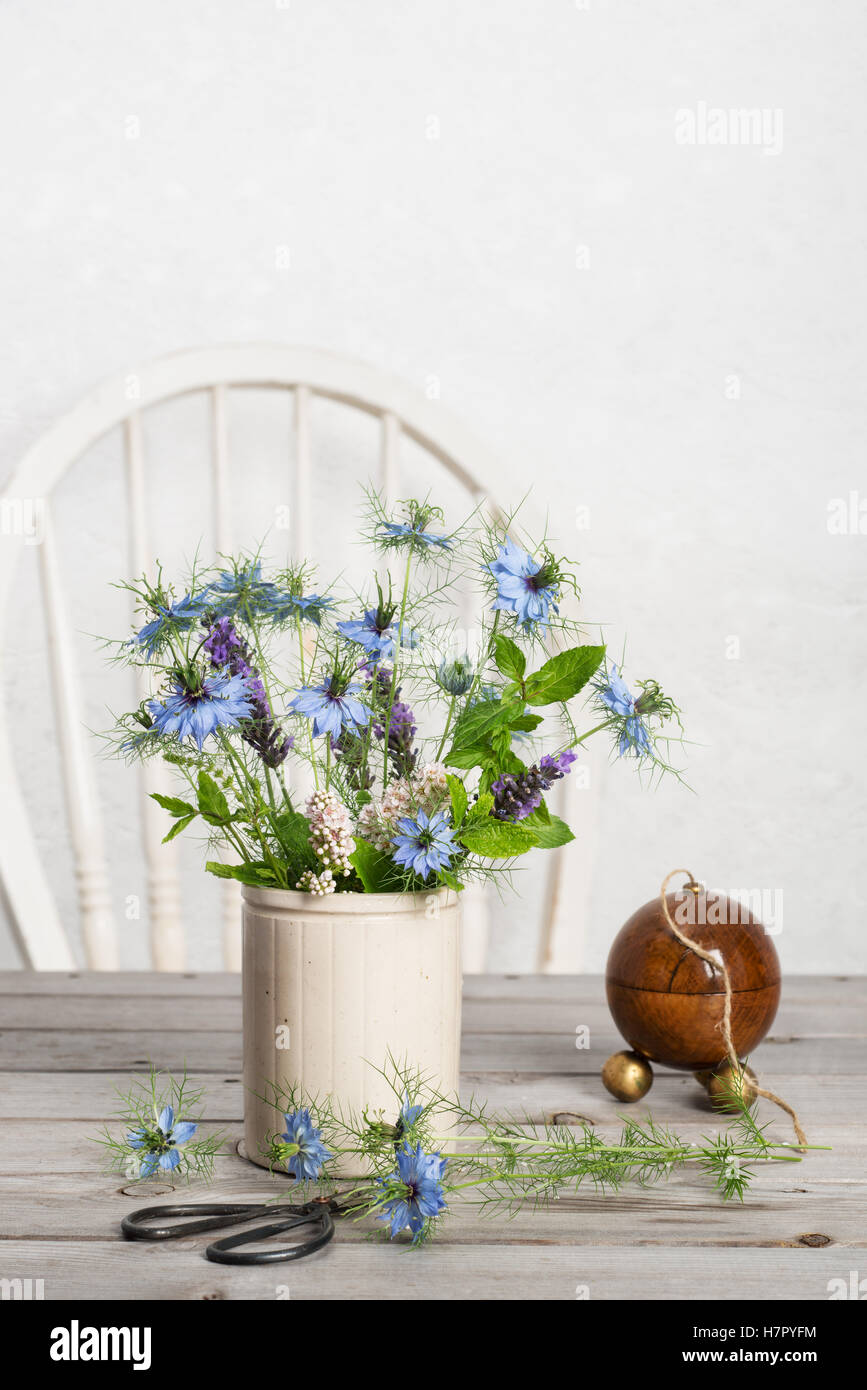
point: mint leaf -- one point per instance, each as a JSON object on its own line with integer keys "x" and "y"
{"x": 173, "y": 805}
{"x": 255, "y": 875}
{"x": 475, "y": 755}
{"x": 212, "y": 804}
{"x": 377, "y": 871}
{"x": 481, "y": 809}
{"x": 477, "y": 722}
{"x": 549, "y": 835}
{"x": 498, "y": 839}
{"x": 510, "y": 660}
{"x": 526, "y": 723}
{"x": 563, "y": 676}
{"x": 458, "y": 794}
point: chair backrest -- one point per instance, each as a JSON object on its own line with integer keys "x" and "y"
{"x": 27, "y": 519}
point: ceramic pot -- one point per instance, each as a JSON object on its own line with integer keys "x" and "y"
{"x": 333, "y": 985}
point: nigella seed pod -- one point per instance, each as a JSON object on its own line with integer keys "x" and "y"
{"x": 456, "y": 677}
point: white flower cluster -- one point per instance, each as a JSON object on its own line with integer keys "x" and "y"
{"x": 320, "y": 885}
{"x": 425, "y": 790}
{"x": 331, "y": 834}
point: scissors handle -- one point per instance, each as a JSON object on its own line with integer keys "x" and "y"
{"x": 226, "y": 1252}
{"x": 211, "y": 1217}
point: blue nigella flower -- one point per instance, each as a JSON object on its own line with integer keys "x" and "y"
{"x": 173, "y": 617}
{"x": 242, "y": 588}
{"x": 371, "y": 633}
{"x": 416, "y": 1191}
{"x": 525, "y": 586}
{"x": 161, "y": 1144}
{"x": 400, "y": 531}
{"x": 618, "y": 698}
{"x": 409, "y": 1114}
{"x": 331, "y": 711}
{"x": 310, "y": 608}
{"x": 220, "y": 701}
{"x": 425, "y": 843}
{"x": 311, "y": 1153}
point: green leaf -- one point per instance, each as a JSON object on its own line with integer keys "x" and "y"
{"x": 477, "y": 722}
{"x": 509, "y": 657}
{"x": 563, "y": 676}
{"x": 212, "y": 803}
{"x": 173, "y": 805}
{"x": 292, "y": 829}
{"x": 377, "y": 871}
{"x": 551, "y": 835}
{"x": 481, "y": 809}
{"x": 180, "y": 824}
{"x": 450, "y": 881}
{"x": 526, "y": 723}
{"x": 498, "y": 839}
{"x": 501, "y": 742}
{"x": 255, "y": 875}
{"x": 458, "y": 794}
{"x": 475, "y": 755}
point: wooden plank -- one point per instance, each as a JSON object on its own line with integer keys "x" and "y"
{"x": 364, "y": 1271}
{"x": 121, "y": 984}
{"x": 831, "y": 990}
{"x": 682, "y": 1211}
{"x": 218, "y": 1051}
{"x": 822, "y": 1101}
{"x": 75, "y": 1011}
{"x": 49, "y": 1146}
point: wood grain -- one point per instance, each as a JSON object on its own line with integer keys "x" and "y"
{"x": 66, "y": 1041}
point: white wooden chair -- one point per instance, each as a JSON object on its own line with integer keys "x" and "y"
{"x": 120, "y": 404}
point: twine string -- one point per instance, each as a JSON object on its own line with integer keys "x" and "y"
{"x": 725, "y": 1024}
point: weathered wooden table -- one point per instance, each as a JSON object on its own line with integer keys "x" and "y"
{"x": 66, "y": 1041}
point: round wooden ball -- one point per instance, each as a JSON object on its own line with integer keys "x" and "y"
{"x": 668, "y": 1002}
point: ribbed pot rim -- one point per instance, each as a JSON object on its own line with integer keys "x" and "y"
{"x": 348, "y": 904}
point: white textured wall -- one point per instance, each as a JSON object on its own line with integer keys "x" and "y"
{"x": 670, "y": 335}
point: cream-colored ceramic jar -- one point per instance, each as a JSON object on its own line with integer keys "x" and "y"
{"x": 336, "y": 983}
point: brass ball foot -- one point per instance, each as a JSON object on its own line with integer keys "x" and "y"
{"x": 726, "y": 1086}
{"x": 627, "y": 1076}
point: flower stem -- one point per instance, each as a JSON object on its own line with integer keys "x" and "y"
{"x": 451, "y": 714}
{"x": 394, "y": 671}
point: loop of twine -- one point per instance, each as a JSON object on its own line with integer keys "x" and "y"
{"x": 726, "y": 1022}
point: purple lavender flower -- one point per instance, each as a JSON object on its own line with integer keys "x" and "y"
{"x": 555, "y": 766}
{"x": 223, "y": 644}
{"x": 519, "y": 794}
{"x": 401, "y": 732}
{"x": 259, "y": 731}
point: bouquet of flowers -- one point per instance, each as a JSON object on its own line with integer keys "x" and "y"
{"x": 421, "y": 743}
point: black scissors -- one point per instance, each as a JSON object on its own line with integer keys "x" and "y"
{"x": 318, "y": 1214}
